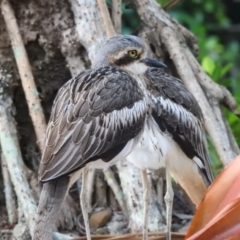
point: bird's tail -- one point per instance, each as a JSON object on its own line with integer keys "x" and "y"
{"x": 52, "y": 196}
{"x": 188, "y": 175}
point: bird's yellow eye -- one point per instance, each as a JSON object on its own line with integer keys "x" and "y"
{"x": 132, "y": 53}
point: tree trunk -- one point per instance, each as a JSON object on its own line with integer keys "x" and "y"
{"x": 59, "y": 37}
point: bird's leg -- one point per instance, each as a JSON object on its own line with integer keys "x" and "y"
{"x": 145, "y": 202}
{"x": 52, "y": 196}
{"x": 169, "y": 203}
{"x": 84, "y": 204}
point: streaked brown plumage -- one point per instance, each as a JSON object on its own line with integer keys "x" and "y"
{"x": 80, "y": 129}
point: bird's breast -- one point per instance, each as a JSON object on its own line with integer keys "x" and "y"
{"x": 151, "y": 150}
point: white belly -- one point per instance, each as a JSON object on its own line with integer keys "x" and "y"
{"x": 153, "y": 148}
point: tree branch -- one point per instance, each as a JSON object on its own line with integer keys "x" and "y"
{"x": 156, "y": 18}
{"x": 8, "y": 190}
{"x": 215, "y": 92}
{"x": 218, "y": 136}
{"x": 30, "y": 90}
{"x": 233, "y": 142}
{"x": 69, "y": 48}
{"x": 170, "y": 4}
{"x": 16, "y": 167}
{"x": 106, "y": 18}
{"x": 90, "y": 180}
{"x": 89, "y": 24}
{"x": 117, "y": 15}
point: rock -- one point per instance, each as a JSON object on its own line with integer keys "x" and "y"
{"x": 100, "y": 218}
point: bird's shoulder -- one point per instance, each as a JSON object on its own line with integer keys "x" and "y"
{"x": 109, "y": 85}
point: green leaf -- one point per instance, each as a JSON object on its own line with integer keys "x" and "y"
{"x": 208, "y": 65}
{"x": 216, "y": 73}
{"x": 226, "y": 69}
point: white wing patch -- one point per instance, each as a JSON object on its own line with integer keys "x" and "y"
{"x": 126, "y": 115}
{"x": 198, "y": 162}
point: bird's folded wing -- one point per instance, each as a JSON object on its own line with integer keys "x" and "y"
{"x": 93, "y": 113}
{"x": 178, "y": 114}
{"x": 173, "y": 88}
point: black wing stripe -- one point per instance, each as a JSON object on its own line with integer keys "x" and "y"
{"x": 185, "y": 129}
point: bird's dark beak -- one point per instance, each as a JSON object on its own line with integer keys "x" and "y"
{"x": 153, "y": 63}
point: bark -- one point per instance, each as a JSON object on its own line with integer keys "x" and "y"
{"x": 16, "y": 167}
{"x": 117, "y": 15}
{"x": 25, "y": 72}
{"x": 9, "y": 193}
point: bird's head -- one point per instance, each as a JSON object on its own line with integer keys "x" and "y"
{"x": 127, "y": 52}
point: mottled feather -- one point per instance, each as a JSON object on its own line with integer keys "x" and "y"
{"x": 96, "y": 112}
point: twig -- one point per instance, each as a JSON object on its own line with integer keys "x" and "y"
{"x": 117, "y": 15}
{"x": 170, "y": 4}
{"x": 16, "y": 168}
{"x": 90, "y": 188}
{"x": 8, "y": 190}
{"x": 6, "y": 231}
{"x": 106, "y": 18}
{"x": 160, "y": 192}
{"x": 100, "y": 190}
{"x": 219, "y": 138}
{"x": 116, "y": 189}
{"x": 34, "y": 104}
